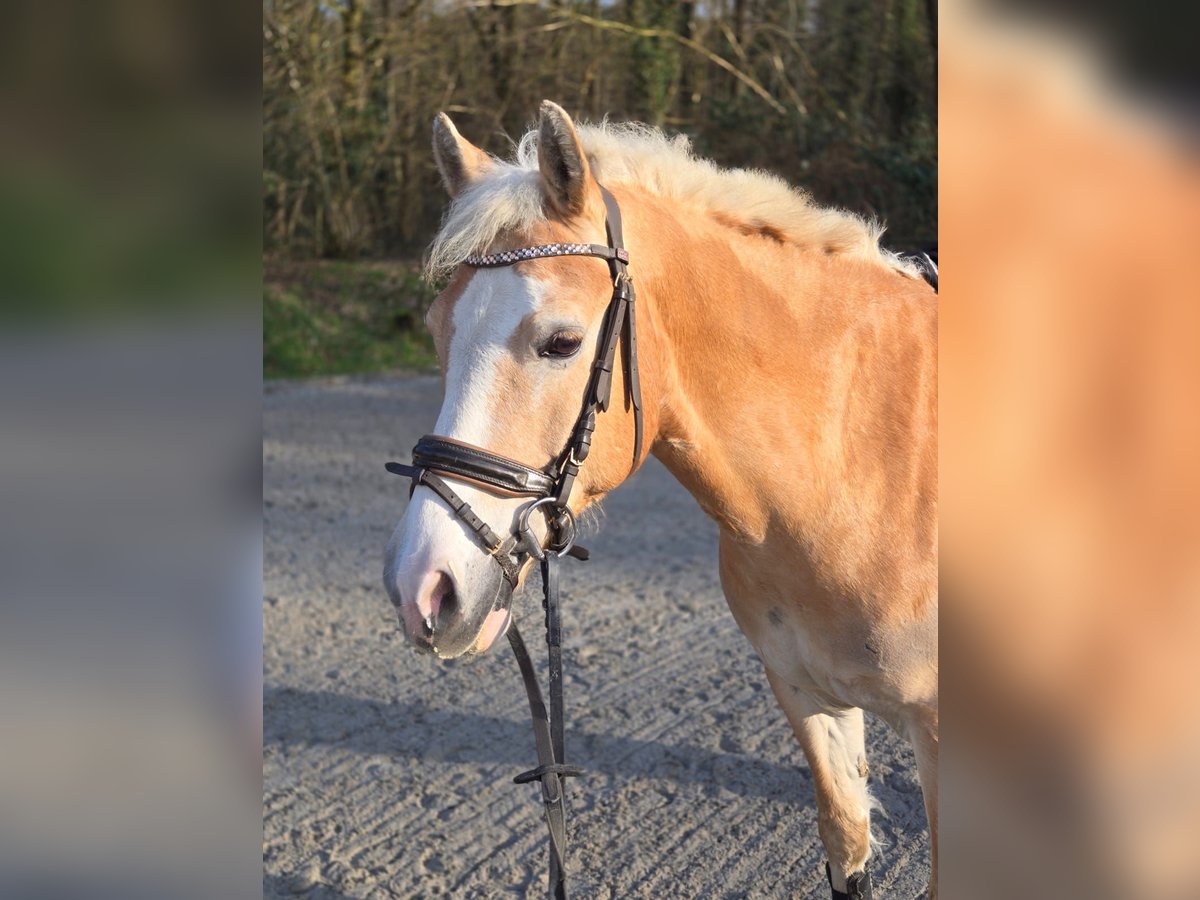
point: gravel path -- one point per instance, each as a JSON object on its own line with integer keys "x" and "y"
{"x": 388, "y": 774}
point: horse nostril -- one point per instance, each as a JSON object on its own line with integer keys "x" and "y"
{"x": 432, "y": 613}
{"x": 444, "y": 605}
{"x": 437, "y": 604}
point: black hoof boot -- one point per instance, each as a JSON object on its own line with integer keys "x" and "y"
{"x": 858, "y": 886}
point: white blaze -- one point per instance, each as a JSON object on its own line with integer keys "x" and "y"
{"x": 485, "y": 318}
{"x": 430, "y": 537}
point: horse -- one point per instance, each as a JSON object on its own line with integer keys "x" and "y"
{"x": 788, "y": 375}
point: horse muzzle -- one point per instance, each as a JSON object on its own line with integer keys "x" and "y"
{"x": 445, "y": 618}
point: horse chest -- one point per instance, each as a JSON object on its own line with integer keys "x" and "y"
{"x": 798, "y": 651}
{"x": 812, "y": 640}
{"x": 812, "y": 657}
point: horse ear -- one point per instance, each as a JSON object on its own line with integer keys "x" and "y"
{"x": 459, "y": 161}
{"x": 564, "y": 166}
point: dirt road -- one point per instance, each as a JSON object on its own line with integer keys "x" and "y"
{"x": 388, "y": 774}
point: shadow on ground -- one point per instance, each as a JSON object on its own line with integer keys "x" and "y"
{"x": 300, "y": 718}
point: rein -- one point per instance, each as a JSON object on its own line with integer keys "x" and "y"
{"x": 435, "y": 456}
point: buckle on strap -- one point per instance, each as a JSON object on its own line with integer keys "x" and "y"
{"x": 562, "y": 770}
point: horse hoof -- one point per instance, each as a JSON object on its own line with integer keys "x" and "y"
{"x": 858, "y": 885}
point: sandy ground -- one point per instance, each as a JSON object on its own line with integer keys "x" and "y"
{"x": 388, "y": 774}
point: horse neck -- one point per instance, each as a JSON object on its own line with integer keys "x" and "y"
{"x": 758, "y": 349}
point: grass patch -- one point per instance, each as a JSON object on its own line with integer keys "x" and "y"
{"x": 340, "y": 318}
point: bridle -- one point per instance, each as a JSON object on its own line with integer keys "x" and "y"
{"x": 550, "y": 490}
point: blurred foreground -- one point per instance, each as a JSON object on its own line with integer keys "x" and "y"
{"x": 129, "y": 451}
{"x": 130, "y": 630}
{"x": 1069, "y": 381}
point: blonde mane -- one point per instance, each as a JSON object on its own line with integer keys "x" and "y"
{"x": 510, "y": 197}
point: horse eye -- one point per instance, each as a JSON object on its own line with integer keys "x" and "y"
{"x": 562, "y": 344}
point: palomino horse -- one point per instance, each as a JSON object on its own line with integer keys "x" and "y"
{"x": 788, "y": 375}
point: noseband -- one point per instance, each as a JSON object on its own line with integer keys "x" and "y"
{"x": 550, "y": 489}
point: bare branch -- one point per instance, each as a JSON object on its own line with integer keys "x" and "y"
{"x": 712, "y": 57}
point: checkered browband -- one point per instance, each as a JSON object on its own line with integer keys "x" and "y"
{"x": 521, "y": 254}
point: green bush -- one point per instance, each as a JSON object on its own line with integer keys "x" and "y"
{"x": 333, "y": 318}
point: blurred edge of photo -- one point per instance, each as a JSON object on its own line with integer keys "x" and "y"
{"x": 1069, "y": 381}
{"x": 130, "y": 449}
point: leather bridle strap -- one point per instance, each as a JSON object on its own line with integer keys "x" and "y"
{"x": 548, "y": 727}
{"x": 476, "y": 464}
{"x": 620, "y": 322}
{"x": 499, "y": 550}
{"x": 524, "y": 254}
{"x": 623, "y": 289}
{"x": 435, "y": 455}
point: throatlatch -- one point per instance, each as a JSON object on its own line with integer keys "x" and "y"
{"x": 435, "y": 456}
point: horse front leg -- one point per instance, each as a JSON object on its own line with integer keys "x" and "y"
{"x": 834, "y": 744}
{"x": 922, "y": 724}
